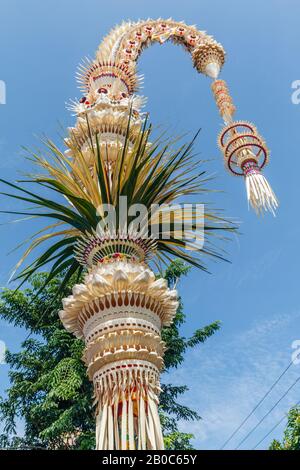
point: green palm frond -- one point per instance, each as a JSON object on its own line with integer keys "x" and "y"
{"x": 146, "y": 173}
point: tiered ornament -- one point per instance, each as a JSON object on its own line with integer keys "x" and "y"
{"x": 119, "y": 310}
{"x": 245, "y": 152}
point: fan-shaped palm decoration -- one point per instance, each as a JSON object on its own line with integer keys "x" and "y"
{"x": 120, "y": 307}
{"x": 149, "y": 174}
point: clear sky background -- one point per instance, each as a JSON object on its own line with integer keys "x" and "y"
{"x": 256, "y": 296}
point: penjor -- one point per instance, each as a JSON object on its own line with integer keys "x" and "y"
{"x": 120, "y": 306}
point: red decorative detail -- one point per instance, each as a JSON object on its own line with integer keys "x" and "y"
{"x": 102, "y": 90}
{"x": 234, "y": 125}
{"x": 241, "y": 136}
{"x": 250, "y": 167}
{"x": 82, "y": 100}
{"x": 148, "y": 30}
{"x": 260, "y": 148}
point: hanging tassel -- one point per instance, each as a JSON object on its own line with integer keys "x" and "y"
{"x": 127, "y": 411}
{"x": 259, "y": 192}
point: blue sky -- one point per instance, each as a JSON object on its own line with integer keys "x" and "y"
{"x": 257, "y": 295}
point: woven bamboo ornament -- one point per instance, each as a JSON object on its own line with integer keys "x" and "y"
{"x": 245, "y": 152}
{"x": 120, "y": 307}
{"x": 120, "y": 310}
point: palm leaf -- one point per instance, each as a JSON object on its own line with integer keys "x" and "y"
{"x": 146, "y": 173}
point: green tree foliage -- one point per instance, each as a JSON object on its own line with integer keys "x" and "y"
{"x": 291, "y": 437}
{"x": 49, "y": 388}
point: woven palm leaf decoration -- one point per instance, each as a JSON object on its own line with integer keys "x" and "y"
{"x": 120, "y": 306}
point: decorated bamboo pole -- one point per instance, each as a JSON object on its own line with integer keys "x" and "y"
{"x": 120, "y": 306}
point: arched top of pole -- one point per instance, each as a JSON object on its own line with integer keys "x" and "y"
{"x": 119, "y": 51}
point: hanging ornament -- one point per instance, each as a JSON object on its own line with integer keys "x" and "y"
{"x": 245, "y": 152}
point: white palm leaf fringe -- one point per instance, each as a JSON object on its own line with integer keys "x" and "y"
{"x": 127, "y": 413}
{"x": 260, "y": 195}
